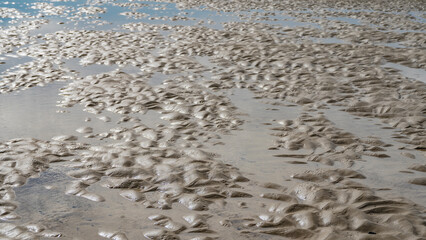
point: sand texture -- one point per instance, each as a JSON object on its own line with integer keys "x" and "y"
{"x": 185, "y": 119}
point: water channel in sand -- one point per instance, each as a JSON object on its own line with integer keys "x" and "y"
{"x": 253, "y": 125}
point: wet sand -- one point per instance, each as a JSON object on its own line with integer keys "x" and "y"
{"x": 188, "y": 119}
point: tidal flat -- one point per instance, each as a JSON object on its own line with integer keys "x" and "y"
{"x": 201, "y": 119}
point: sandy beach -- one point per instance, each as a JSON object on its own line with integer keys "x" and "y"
{"x": 201, "y": 119}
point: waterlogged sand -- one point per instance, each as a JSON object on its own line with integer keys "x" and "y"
{"x": 212, "y": 119}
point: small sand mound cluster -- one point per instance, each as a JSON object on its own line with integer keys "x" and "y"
{"x": 308, "y": 56}
{"x": 49, "y": 9}
{"x": 7, "y": 12}
{"x": 18, "y": 36}
{"x": 183, "y": 102}
{"x": 346, "y": 208}
{"x": 324, "y": 142}
{"x": 30, "y": 231}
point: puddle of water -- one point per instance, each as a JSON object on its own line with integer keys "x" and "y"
{"x": 33, "y": 112}
{"x": 251, "y": 156}
{"x": 393, "y": 45}
{"x": 328, "y": 40}
{"x": 347, "y": 20}
{"x": 388, "y": 177}
{"x": 419, "y": 16}
{"x": 250, "y": 144}
{"x": 54, "y": 25}
{"x": 414, "y": 73}
{"x": 76, "y": 217}
{"x": 291, "y": 24}
{"x": 93, "y": 69}
{"x": 10, "y": 62}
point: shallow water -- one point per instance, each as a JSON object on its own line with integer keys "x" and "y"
{"x": 389, "y": 177}
{"x": 413, "y": 73}
{"x": 250, "y": 143}
{"x": 243, "y": 131}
